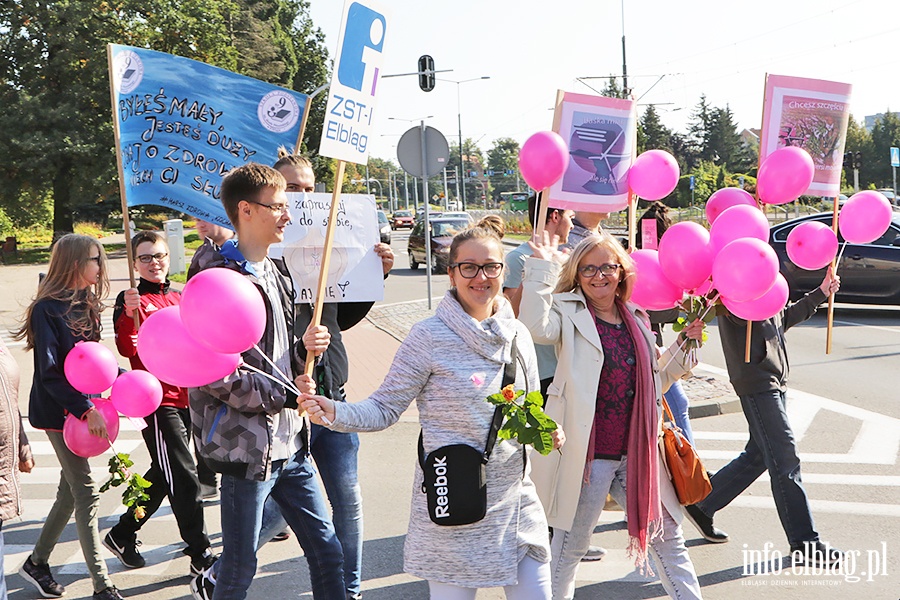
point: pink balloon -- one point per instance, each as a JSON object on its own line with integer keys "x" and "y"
{"x": 169, "y": 352}
{"x": 766, "y": 306}
{"x": 543, "y": 159}
{"x": 685, "y": 254}
{"x": 79, "y": 439}
{"x": 136, "y": 394}
{"x": 812, "y": 245}
{"x": 738, "y": 222}
{"x": 745, "y": 269}
{"x": 864, "y": 217}
{"x": 653, "y": 175}
{"x": 90, "y": 367}
{"x": 702, "y": 289}
{"x": 723, "y": 199}
{"x": 652, "y": 291}
{"x": 785, "y": 175}
{"x": 223, "y": 310}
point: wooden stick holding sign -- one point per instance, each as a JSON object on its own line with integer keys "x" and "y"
{"x": 126, "y": 223}
{"x": 830, "y": 327}
{"x": 542, "y": 161}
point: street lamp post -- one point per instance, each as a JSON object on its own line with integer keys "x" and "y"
{"x": 462, "y": 163}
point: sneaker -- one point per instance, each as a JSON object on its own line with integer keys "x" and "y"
{"x": 202, "y": 586}
{"x": 815, "y": 554}
{"x": 40, "y": 576}
{"x": 203, "y": 561}
{"x": 280, "y": 537}
{"x": 208, "y": 492}
{"x": 593, "y": 553}
{"x": 704, "y": 525}
{"x": 110, "y": 593}
{"x": 127, "y": 552}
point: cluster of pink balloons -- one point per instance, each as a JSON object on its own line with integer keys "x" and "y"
{"x": 200, "y": 341}
{"x": 91, "y": 368}
{"x": 653, "y": 175}
{"x": 543, "y": 159}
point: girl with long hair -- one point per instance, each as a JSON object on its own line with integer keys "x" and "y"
{"x": 65, "y": 311}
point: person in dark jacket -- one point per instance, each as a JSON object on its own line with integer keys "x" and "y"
{"x": 244, "y": 425}
{"x": 172, "y": 473}
{"x": 761, "y": 385}
{"x": 65, "y": 311}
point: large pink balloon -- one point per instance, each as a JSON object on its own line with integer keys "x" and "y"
{"x": 812, "y": 245}
{"x": 136, "y": 394}
{"x": 652, "y": 291}
{"x": 864, "y": 217}
{"x": 543, "y": 159}
{"x": 738, "y": 222}
{"x": 766, "y": 306}
{"x": 653, "y": 175}
{"x": 169, "y": 352}
{"x": 223, "y": 310}
{"x": 79, "y": 439}
{"x": 90, "y": 367}
{"x": 723, "y": 199}
{"x": 685, "y": 255}
{"x": 785, "y": 175}
{"x": 745, "y": 269}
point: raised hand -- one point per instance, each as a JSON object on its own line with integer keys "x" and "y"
{"x": 546, "y": 247}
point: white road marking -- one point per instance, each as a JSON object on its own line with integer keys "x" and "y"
{"x": 878, "y": 327}
{"x": 825, "y": 506}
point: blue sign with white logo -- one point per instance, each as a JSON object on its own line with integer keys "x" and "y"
{"x": 895, "y": 156}
{"x": 351, "y": 98}
{"x": 692, "y": 182}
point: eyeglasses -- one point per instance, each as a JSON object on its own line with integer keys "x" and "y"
{"x": 96, "y": 259}
{"x": 607, "y": 270}
{"x": 277, "y": 209}
{"x": 149, "y": 258}
{"x": 470, "y": 270}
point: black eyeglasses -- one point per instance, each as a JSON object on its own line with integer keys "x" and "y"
{"x": 96, "y": 259}
{"x": 149, "y": 258}
{"x": 277, "y": 209}
{"x": 470, "y": 270}
{"x": 607, "y": 270}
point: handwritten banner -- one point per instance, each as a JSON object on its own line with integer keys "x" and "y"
{"x": 354, "y": 272}
{"x": 811, "y": 114}
{"x": 601, "y": 136}
{"x": 184, "y": 124}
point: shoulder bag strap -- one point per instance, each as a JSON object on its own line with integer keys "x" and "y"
{"x": 509, "y": 377}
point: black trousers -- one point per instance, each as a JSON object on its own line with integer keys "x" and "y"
{"x": 173, "y": 475}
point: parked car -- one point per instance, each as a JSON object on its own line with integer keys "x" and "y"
{"x": 870, "y": 273}
{"x": 442, "y": 232}
{"x": 889, "y": 194}
{"x": 432, "y": 214}
{"x": 402, "y": 219}
{"x": 384, "y": 228}
{"x": 459, "y": 215}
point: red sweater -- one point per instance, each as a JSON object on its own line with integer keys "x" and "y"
{"x": 154, "y": 296}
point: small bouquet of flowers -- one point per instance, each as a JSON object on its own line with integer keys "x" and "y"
{"x": 526, "y": 421}
{"x": 701, "y": 306}
{"x": 134, "y": 492}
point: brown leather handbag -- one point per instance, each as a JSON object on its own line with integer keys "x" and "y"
{"x": 687, "y": 472}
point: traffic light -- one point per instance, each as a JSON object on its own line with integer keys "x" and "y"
{"x": 848, "y": 160}
{"x": 857, "y": 160}
{"x": 426, "y": 73}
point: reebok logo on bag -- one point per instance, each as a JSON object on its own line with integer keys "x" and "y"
{"x": 440, "y": 481}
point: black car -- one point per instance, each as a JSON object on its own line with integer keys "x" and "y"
{"x": 384, "y": 228}
{"x": 870, "y": 273}
{"x": 442, "y": 232}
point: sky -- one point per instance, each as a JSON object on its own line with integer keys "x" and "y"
{"x": 675, "y": 52}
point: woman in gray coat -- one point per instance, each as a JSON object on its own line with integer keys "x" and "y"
{"x": 15, "y": 453}
{"x": 449, "y": 364}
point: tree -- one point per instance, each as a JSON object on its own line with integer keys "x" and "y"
{"x": 652, "y": 134}
{"x": 502, "y": 159}
{"x": 699, "y": 132}
{"x": 476, "y": 184}
{"x": 885, "y": 134}
{"x": 612, "y": 89}
{"x": 724, "y": 141}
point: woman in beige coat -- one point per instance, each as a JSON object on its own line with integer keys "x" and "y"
{"x": 606, "y": 395}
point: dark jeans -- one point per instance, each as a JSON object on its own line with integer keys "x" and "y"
{"x": 771, "y": 448}
{"x": 294, "y": 487}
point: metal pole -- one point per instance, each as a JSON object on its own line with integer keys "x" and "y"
{"x": 624, "y": 66}
{"x": 456, "y": 177}
{"x": 894, "y": 171}
{"x": 446, "y": 192}
{"x": 428, "y": 265}
{"x": 855, "y": 180}
{"x": 406, "y": 189}
{"x": 462, "y": 162}
{"x": 416, "y": 192}
{"x": 368, "y": 191}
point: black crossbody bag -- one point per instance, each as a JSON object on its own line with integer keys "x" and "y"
{"x": 454, "y": 482}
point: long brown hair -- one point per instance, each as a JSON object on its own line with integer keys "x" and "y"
{"x": 67, "y": 261}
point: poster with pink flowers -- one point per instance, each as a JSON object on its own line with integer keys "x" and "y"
{"x": 601, "y": 136}
{"x": 811, "y": 114}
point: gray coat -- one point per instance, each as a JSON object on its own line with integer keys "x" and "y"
{"x": 449, "y": 364}
{"x": 14, "y": 446}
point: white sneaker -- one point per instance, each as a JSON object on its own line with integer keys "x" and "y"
{"x": 593, "y": 553}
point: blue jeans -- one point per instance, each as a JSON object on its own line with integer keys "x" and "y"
{"x": 294, "y": 488}
{"x": 678, "y": 404}
{"x": 335, "y": 454}
{"x": 771, "y": 447}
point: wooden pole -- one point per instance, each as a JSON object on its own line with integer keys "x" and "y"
{"x": 632, "y": 222}
{"x": 540, "y": 213}
{"x": 126, "y": 224}
{"x": 326, "y": 260}
{"x": 830, "y": 327}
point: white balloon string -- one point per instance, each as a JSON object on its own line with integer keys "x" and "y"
{"x": 274, "y": 366}
{"x": 285, "y": 385}
{"x": 837, "y": 262}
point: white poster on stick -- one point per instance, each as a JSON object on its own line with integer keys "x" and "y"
{"x": 354, "y": 273}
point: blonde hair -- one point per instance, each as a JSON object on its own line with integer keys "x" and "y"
{"x": 568, "y": 277}
{"x": 490, "y": 227}
{"x": 68, "y": 258}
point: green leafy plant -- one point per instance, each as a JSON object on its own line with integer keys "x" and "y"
{"x": 526, "y": 422}
{"x": 696, "y": 307}
{"x": 136, "y": 485}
